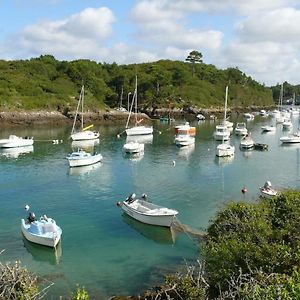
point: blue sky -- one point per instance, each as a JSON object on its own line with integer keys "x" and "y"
{"x": 261, "y": 38}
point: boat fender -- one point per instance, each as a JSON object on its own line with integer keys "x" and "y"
{"x": 119, "y": 203}
{"x": 244, "y": 190}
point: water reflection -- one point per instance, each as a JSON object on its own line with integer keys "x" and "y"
{"x": 223, "y": 161}
{"x": 134, "y": 157}
{"x": 84, "y": 169}
{"x": 43, "y": 253}
{"x": 158, "y": 234}
{"x": 16, "y": 152}
{"x": 87, "y": 145}
{"x": 186, "y": 151}
{"x": 143, "y": 139}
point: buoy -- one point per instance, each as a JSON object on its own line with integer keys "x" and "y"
{"x": 244, "y": 190}
{"x": 119, "y": 203}
{"x": 118, "y": 136}
{"x": 174, "y": 163}
{"x": 27, "y": 207}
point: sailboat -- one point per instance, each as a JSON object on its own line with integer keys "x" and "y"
{"x": 136, "y": 129}
{"x": 225, "y": 149}
{"x": 84, "y": 133}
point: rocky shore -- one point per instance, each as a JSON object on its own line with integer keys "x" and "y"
{"x": 28, "y": 118}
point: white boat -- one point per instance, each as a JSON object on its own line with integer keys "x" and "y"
{"x": 185, "y": 128}
{"x": 200, "y": 117}
{"x": 249, "y": 116}
{"x": 268, "y": 191}
{"x": 147, "y": 212}
{"x": 14, "y": 141}
{"x": 133, "y": 147}
{"x": 81, "y": 158}
{"x": 268, "y": 128}
{"x": 136, "y": 129}
{"x": 224, "y": 149}
{"x": 247, "y": 142}
{"x": 44, "y": 231}
{"x": 221, "y": 133}
{"x": 287, "y": 124}
{"x": 240, "y": 129}
{"x": 291, "y": 139}
{"x": 84, "y": 133}
{"x": 263, "y": 113}
{"x": 182, "y": 140}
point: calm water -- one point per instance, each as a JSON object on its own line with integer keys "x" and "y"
{"x": 102, "y": 249}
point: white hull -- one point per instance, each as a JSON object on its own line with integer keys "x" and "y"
{"x": 139, "y": 130}
{"x": 268, "y": 193}
{"x": 268, "y": 128}
{"x": 184, "y": 140}
{"x": 292, "y": 139}
{"x": 79, "y": 161}
{"x": 85, "y": 135}
{"x": 224, "y": 150}
{"x": 247, "y": 143}
{"x": 15, "y": 141}
{"x": 149, "y": 213}
{"x": 50, "y": 239}
{"x": 133, "y": 148}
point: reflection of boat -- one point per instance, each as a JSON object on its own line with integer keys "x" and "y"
{"x": 84, "y": 133}
{"x": 15, "y": 152}
{"x": 268, "y": 191}
{"x": 158, "y": 234}
{"x": 44, "y": 254}
{"x": 81, "y": 158}
{"x": 224, "y": 160}
{"x": 134, "y": 157}
{"x": 43, "y": 231}
{"x": 133, "y": 148}
{"x": 186, "y": 151}
{"x": 16, "y": 141}
{"x": 87, "y": 144}
{"x": 147, "y": 212}
{"x": 268, "y": 128}
{"x": 84, "y": 169}
{"x": 144, "y": 139}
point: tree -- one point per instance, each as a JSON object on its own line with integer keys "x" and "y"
{"x": 194, "y": 57}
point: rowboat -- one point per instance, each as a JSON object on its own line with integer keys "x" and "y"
{"x": 147, "y": 212}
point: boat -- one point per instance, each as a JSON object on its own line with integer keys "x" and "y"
{"x": 287, "y": 124}
{"x": 249, "y": 116}
{"x": 268, "y": 128}
{"x": 43, "y": 231}
{"x": 84, "y": 133}
{"x": 263, "y": 113}
{"x": 14, "y": 141}
{"x": 121, "y": 108}
{"x": 291, "y": 139}
{"x": 81, "y": 158}
{"x": 182, "y": 140}
{"x": 147, "y": 212}
{"x": 225, "y": 149}
{"x": 137, "y": 129}
{"x": 240, "y": 129}
{"x": 185, "y": 129}
{"x": 261, "y": 146}
{"x": 268, "y": 191}
{"x": 133, "y": 147}
{"x": 247, "y": 142}
{"x": 200, "y": 117}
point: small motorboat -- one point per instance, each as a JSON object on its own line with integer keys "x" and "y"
{"x": 14, "y": 141}
{"x": 185, "y": 129}
{"x": 249, "y": 116}
{"x": 240, "y": 129}
{"x": 268, "y": 128}
{"x": 81, "y": 158}
{"x": 200, "y": 117}
{"x": 291, "y": 139}
{"x": 182, "y": 140}
{"x": 261, "y": 146}
{"x": 263, "y": 113}
{"x": 287, "y": 124}
{"x": 268, "y": 191}
{"x": 147, "y": 212}
{"x": 247, "y": 142}
{"x": 225, "y": 149}
{"x": 221, "y": 133}
{"x": 44, "y": 231}
{"x": 133, "y": 147}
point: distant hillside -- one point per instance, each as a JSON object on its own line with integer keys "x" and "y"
{"x": 45, "y": 83}
{"x": 289, "y": 91}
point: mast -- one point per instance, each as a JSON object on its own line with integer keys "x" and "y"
{"x": 134, "y": 100}
{"x": 136, "y": 106}
{"x": 78, "y": 104}
{"x": 226, "y": 95}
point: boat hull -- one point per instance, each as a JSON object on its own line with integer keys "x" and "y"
{"x": 165, "y": 217}
{"x": 80, "y": 162}
{"x": 49, "y": 241}
{"x": 85, "y": 135}
{"x": 224, "y": 150}
{"x": 15, "y": 142}
{"x": 139, "y": 130}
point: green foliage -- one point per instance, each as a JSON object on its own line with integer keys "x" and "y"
{"x": 45, "y": 83}
{"x": 80, "y": 294}
{"x": 263, "y": 236}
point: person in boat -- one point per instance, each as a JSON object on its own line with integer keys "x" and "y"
{"x": 31, "y": 217}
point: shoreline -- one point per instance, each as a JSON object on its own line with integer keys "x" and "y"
{"x": 41, "y": 117}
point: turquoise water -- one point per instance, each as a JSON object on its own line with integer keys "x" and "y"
{"x": 102, "y": 249}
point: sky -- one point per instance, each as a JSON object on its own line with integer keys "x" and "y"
{"x": 260, "y": 37}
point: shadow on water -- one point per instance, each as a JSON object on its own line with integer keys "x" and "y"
{"x": 44, "y": 254}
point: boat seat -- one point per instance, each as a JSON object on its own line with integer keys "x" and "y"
{"x": 48, "y": 227}
{"x": 142, "y": 208}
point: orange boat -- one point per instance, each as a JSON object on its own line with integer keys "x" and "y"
{"x": 185, "y": 129}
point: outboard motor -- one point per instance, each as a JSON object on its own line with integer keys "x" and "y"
{"x": 31, "y": 217}
{"x": 144, "y": 196}
{"x": 131, "y": 198}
